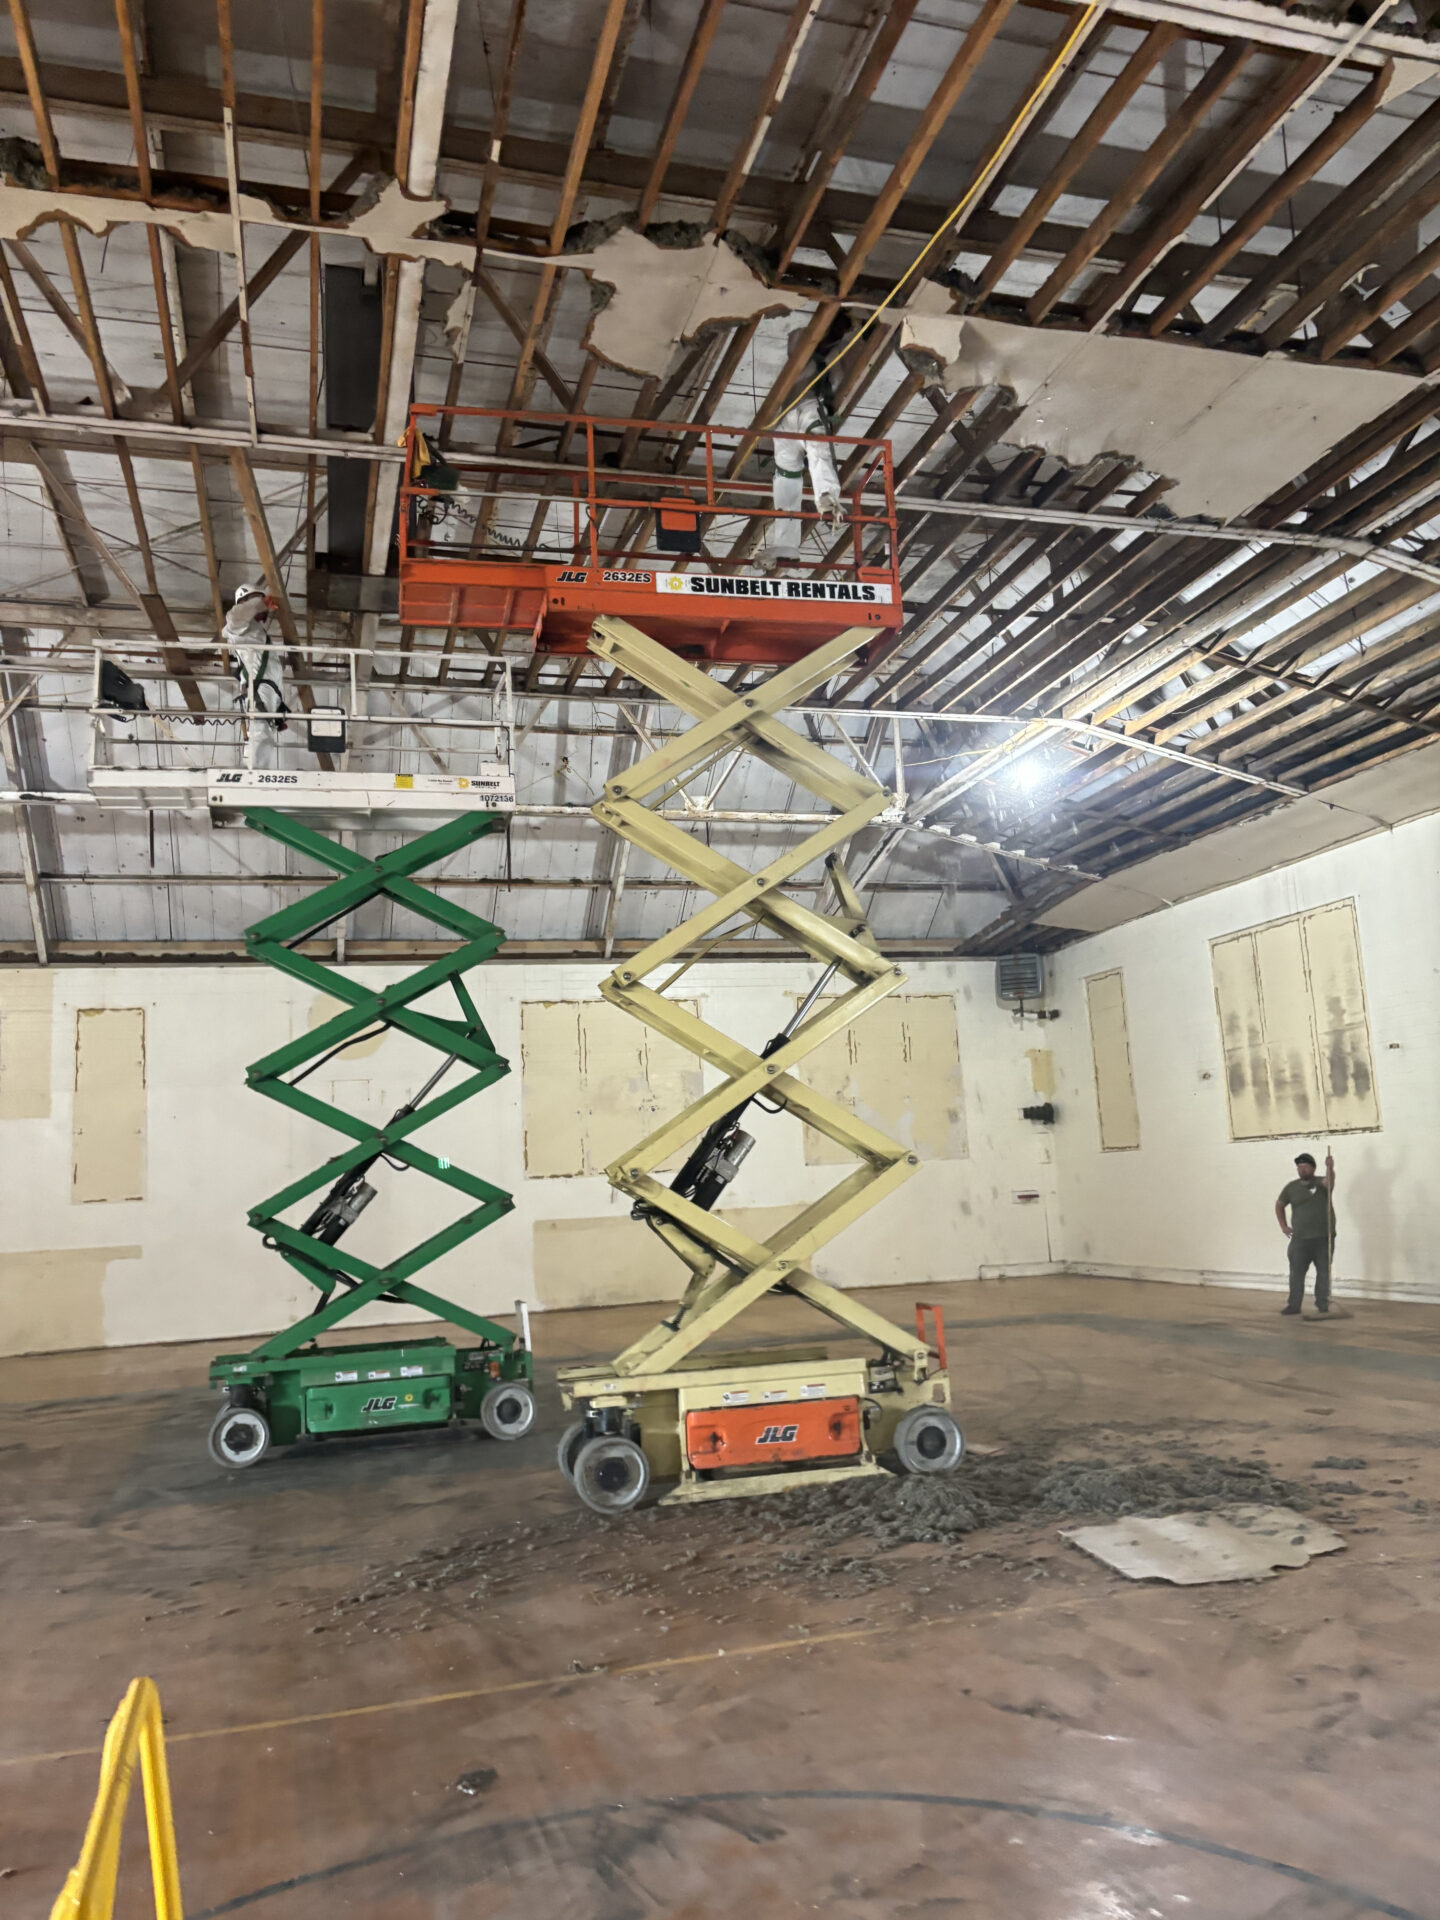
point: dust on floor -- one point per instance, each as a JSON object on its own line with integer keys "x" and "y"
{"x": 838, "y": 1538}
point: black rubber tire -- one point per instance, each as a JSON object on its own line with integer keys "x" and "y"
{"x": 571, "y": 1441}
{"x": 239, "y": 1437}
{"x": 929, "y": 1440}
{"x": 611, "y": 1474}
{"x": 508, "y": 1410}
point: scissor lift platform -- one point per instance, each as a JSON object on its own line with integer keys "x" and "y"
{"x": 327, "y": 798}
{"x": 654, "y": 522}
{"x": 160, "y": 759}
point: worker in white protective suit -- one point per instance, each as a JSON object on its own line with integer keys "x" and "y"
{"x": 811, "y": 414}
{"x": 259, "y": 671}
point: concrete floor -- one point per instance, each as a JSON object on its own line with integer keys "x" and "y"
{"x": 1004, "y": 1728}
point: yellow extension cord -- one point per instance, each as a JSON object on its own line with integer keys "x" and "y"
{"x": 971, "y": 194}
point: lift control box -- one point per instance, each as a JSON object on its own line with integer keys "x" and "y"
{"x": 667, "y": 524}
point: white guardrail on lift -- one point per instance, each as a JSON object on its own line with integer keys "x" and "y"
{"x": 227, "y": 759}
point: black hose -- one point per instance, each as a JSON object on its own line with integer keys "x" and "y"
{"x": 369, "y": 1034}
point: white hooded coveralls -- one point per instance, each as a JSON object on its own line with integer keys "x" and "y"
{"x": 806, "y": 416}
{"x": 259, "y": 673}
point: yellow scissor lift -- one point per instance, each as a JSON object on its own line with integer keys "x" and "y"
{"x": 730, "y": 1422}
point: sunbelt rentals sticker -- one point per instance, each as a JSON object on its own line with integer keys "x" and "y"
{"x": 744, "y": 586}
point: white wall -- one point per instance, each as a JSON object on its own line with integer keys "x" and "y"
{"x": 181, "y": 1264}
{"x": 1190, "y": 1203}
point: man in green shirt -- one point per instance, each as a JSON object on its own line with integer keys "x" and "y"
{"x": 1310, "y": 1229}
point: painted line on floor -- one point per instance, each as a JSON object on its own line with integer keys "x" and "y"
{"x": 568, "y": 1679}
{"x": 1059, "y": 1603}
{"x": 681, "y": 1803}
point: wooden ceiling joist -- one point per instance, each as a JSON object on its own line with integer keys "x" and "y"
{"x": 1246, "y": 660}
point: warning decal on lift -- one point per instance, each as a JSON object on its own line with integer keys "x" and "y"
{"x": 744, "y": 586}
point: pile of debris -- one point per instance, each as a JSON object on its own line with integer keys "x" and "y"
{"x": 826, "y": 1538}
{"x": 1024, "y": 1484}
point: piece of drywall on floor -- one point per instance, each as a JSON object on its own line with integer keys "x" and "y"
{"x": 898, "y": 1068}
{"x": 26, "y": 995}
{"x": 54, "y": 1299}
{"x": 107, "y": 1127}
{"x": 1116, "y": 1110}
{"x": 1193, "y": 1203}
{"x": 215, "y": 1149}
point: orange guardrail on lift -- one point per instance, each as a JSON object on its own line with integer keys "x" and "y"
{"x": 136, "y": 1732}
{"x": 538, "y": 523}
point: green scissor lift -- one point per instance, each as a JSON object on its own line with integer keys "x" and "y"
{"x": 289, "y": 1385}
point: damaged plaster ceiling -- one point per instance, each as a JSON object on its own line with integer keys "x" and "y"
{"x": 1403, "y": 789}
{"x": 390, "y": 223}
{"x": 656, "y": 298}
{"x": 1205, "y": 283}
{"x": 1228, "y": 431}
{"x": 662, "y": 298}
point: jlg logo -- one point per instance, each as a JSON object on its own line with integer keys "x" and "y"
{"x": 380, "y": 1403}
{"x": 778, "y": 1436}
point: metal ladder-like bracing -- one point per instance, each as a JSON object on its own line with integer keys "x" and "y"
{"x": 344, "y": 1280}
{"x": 731, "y": 1270}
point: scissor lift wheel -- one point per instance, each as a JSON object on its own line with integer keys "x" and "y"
{"x": 571, "y": 1441}
{"x": 239, "y": 1436}
{"x": 611, "y": 1473}
{"x": 929, "y": 1440}
{"x": 508, "y": 1410}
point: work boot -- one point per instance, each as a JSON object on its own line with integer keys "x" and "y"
{"x": 1289, "y": 1310}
